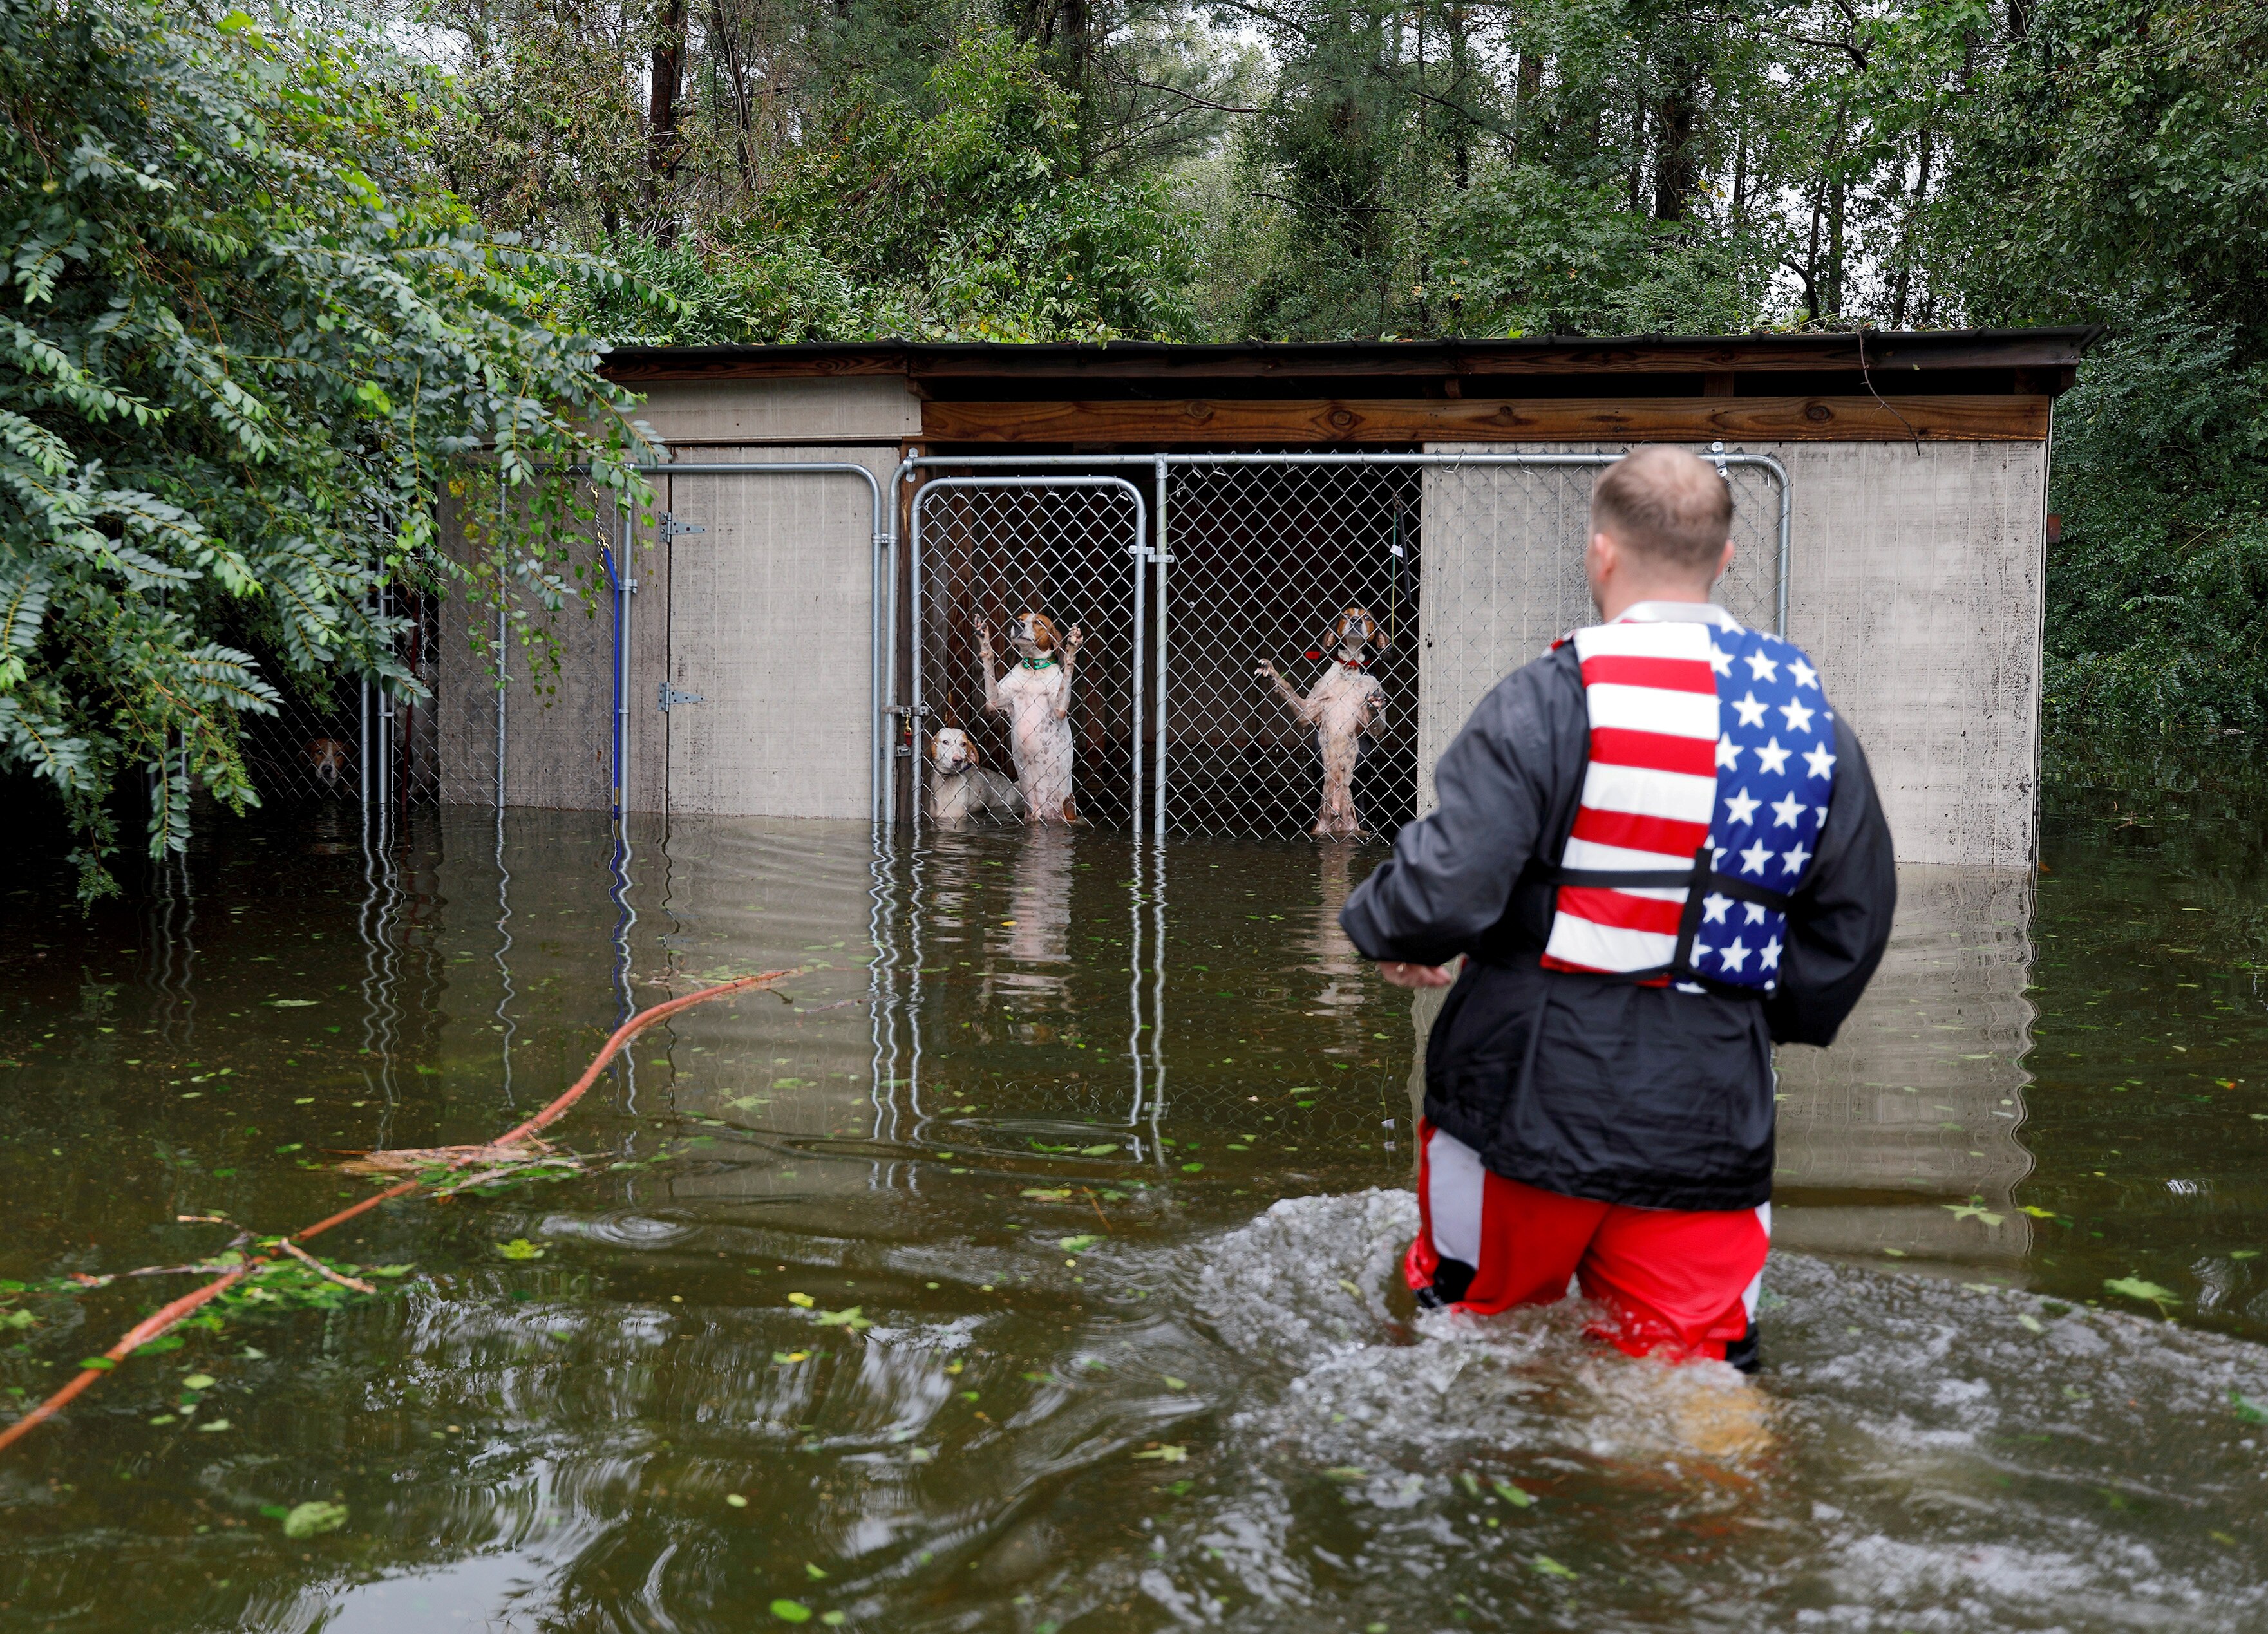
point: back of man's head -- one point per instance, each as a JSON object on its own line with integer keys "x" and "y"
{"x": 1666, "y": 508}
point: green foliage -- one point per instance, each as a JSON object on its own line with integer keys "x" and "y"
{"x": 2158, "y": 594}
{"x": 1529, "y": 253}
{"x": 2112, "y": 164}
{"x": 962, "y": 214}
{"x": 2115, "y": 165}
{"x": 245, "y": 349}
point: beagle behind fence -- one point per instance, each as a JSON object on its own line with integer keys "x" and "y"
{"x": 963, "y": 791}
{"x": 1036, "y": 696}
{"x": 1341, "y": 706}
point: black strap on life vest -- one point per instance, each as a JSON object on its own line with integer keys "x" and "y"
{"x": 1699, "y": 882}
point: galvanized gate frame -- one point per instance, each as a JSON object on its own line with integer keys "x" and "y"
{"x": 1137, "y": 550}
{"x": 617, "y": 560}
{"x": 1160, "y": 555}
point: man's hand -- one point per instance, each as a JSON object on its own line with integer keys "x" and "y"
{"x": 1399, "y": 974}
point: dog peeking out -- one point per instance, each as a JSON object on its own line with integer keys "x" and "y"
{"x": 1341, "y": 707}
{"x": 327, "y": 762}
{"x": 1036, "y": 697}
{"x": 962, "y": 791}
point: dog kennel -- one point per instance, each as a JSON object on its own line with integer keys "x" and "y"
{"x": 837, "y": 517}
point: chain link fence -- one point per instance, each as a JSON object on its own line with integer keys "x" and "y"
{"x": 333, "y": 739}
{"x": 1266, "y": 562}
{"x": 1387, "y": 593}
{"x": 989, "y": 549}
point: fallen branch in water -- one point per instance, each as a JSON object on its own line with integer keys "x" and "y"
{"x": 321, "y": 1270}
{"x": 168, "y": 1316}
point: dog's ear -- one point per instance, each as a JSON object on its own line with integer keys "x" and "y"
{"x": 1043, "y": 632}
{"x": 975, "y": 759}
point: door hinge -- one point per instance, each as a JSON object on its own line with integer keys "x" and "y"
{"x": 671, "y": 695}
{"x": 671, "y": 528}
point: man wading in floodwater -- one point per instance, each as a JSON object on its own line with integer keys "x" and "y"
{"x": 1660, "y": 853}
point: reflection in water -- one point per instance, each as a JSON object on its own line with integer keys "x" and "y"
{"x": 1346, "y": 980}
{"x": 1920, "y": 1100}
{"x": 1060, "y": 1350}
{"x": 1039, "y": 915}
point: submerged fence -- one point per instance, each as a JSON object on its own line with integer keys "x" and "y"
{"x": 1216, "y": 688}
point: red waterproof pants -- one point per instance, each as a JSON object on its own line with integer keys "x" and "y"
{"x": 1679, "y": 1281}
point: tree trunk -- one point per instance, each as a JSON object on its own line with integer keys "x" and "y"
{"x": 1912, "y": 226}
{"x": 663, "y": 147}
{"x": 744, "y": 145}
{"x": 1677, "y": 119}
{"x": 1530, "y": 91}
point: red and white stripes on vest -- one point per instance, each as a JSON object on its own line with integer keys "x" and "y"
{"x": 1648, "y": 793}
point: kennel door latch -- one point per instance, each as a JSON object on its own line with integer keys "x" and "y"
{"x": 671, "y": 695}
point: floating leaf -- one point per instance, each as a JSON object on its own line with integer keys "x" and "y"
{"x": 1192, "y": 1168}
{"x": 736, "y": 1500}
{"x": 292, "y": 1004}
{"x": 850, "y": 1318}
{"x": 99, "y": 1364}
{"x": 1973, "y": 1210}
{"x": 2030, "y": 1324}
{"x": 1549, "y": 1567}
{"x": 2135, "y": 1288}
{"x": 1106, "y": 1149}
{"x": 199, "y": 1382}
{"x": 2244, "y": 1254}
{"x": 210, "y": 1425}
{"x": 1512, "y": 1494}
{"x": 1173, "y": 1383}
{"x": 1056, "y": 1196}
{"x": 1346, "y": 1472}
{"x": 520, "y": 1248}
{"x": 1077, "y": 1245}
{"x": 2039, "y": 1213}
{"x": 160, "y": 1345}
{"x": 1169, "y": 1453}
{"x": 790, "y": 1611}
{"x": 785, "y": 1357}
{"x": 1350, "y": 1287}
{"x": 803, "y": 1301}
{"x": 2250, "y": 1410}
{"x": 313, "y": 1519}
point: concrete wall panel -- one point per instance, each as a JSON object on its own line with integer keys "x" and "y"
{"x": 713, "y": 413}
{"x": 768, "y": 621}
{"x": 1918, "y": 586}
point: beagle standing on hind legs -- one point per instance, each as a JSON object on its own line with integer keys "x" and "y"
{"x": 1341, "y": 707}
{"x": 1036, "y": 697}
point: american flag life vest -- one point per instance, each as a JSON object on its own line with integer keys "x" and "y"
{"x": 1711, "y": 763}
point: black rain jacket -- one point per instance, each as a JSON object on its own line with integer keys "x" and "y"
{"x": 1588, "y": 1086}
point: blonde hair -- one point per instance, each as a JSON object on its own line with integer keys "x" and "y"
{"x": 1664, "y": 505}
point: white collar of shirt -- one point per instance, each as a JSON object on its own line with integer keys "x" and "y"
{"x": 1678, "y": 612}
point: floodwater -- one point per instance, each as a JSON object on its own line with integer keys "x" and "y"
{"x": 1030, "y": 1264}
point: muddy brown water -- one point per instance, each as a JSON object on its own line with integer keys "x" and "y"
{"x": 1109, "y": 1155}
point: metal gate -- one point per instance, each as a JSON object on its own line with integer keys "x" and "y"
{"x": 1072, "y": 549}
{"x": 1463, "y": 566}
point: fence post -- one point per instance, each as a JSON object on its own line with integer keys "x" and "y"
{"x": 1165, "y": 559}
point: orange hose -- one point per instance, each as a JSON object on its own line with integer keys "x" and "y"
{"x": 158, "y": 1321}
